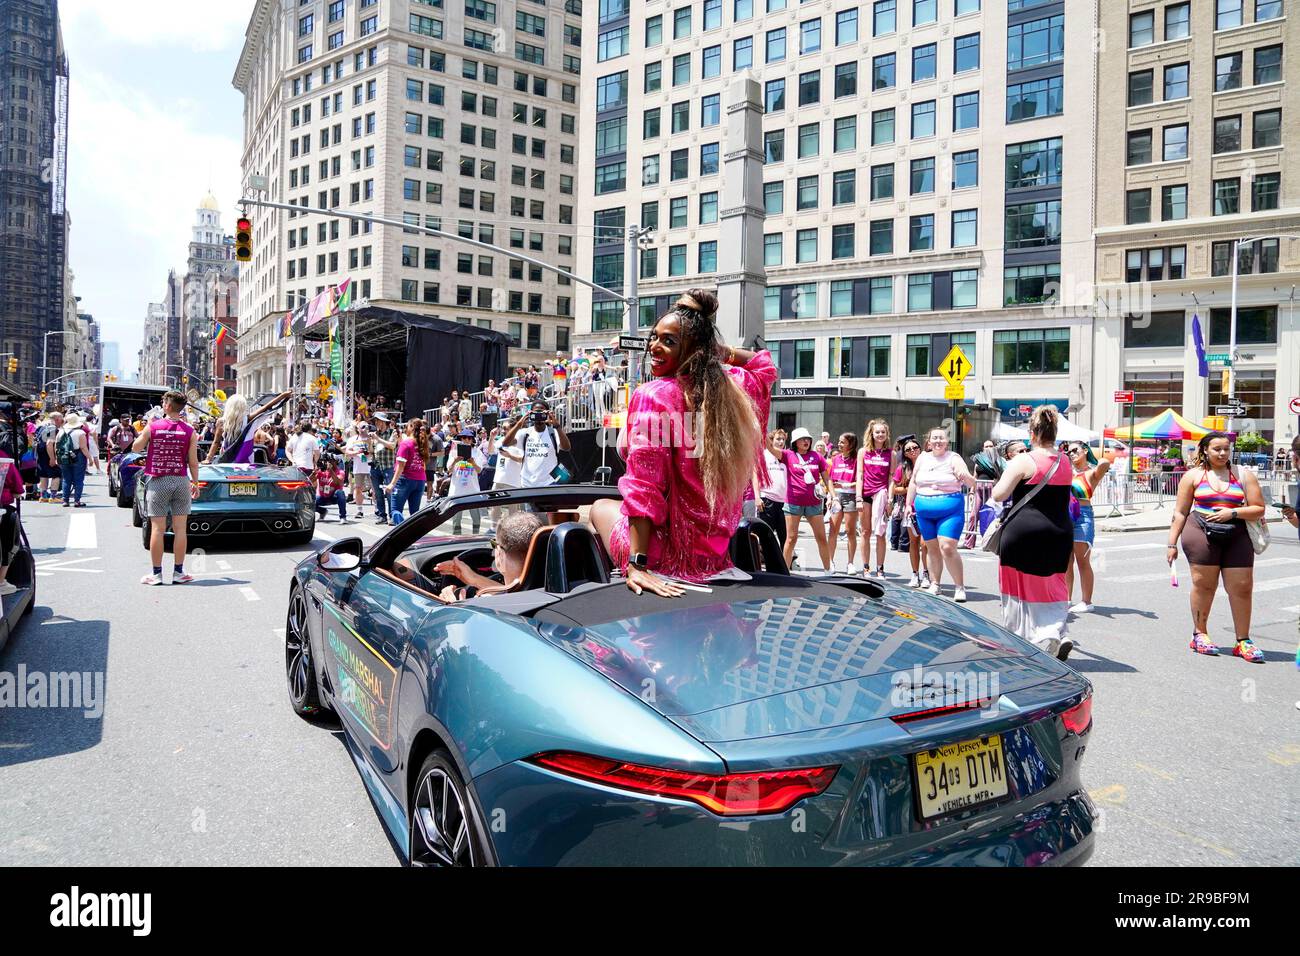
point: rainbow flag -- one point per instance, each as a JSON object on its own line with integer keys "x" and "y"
{"x": 219, "y": 337}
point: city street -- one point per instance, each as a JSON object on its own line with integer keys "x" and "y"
{"x": 198, "y": 759}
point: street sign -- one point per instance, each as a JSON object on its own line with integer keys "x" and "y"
{"x": 1124, "y": 398}
{"x": 631, "y": 343}
{"x": 955, "y": 393}
{"x": 1218, "y": 358}
{"x": 955, "y": 366}
{"x": 1295, "y": 406}
{"x": 1231, "y": 411}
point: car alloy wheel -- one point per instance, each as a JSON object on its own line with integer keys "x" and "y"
{"x": 442, "y": 833}
{"x": 299, "y": 669}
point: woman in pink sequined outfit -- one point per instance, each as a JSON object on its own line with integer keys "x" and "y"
{"x": 692, "y": 442}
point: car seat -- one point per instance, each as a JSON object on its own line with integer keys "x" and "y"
{"x": 574, "y": 557}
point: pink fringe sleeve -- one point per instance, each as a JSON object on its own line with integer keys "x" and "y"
{"x": 645, "y": 483}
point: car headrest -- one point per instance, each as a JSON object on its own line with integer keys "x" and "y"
{"x": 574, "y": 556}
{"x": 534, "y": 573}
{"x": 754, "y": 547}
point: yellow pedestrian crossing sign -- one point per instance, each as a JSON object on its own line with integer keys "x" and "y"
{"x": 955, "y": 366}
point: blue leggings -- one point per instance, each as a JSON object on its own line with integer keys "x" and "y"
{"x": 940, "y": 516}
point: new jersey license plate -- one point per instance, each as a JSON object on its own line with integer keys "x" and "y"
{"x": 244, "y": 490}
{"x": 959, "y": 776}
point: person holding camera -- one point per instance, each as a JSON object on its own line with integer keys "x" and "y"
{"x": 463, "y": 479}
{"x": 537, "y": 449}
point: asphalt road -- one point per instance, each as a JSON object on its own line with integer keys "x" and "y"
{"x": 197, "y": 758}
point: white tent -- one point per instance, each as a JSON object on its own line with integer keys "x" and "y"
{"x": 1066, "y": 430}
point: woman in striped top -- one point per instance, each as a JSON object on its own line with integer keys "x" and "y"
{"x": 1214, "y": 504}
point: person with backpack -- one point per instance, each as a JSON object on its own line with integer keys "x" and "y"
{"x": 538, "y": 450}
{"x": 71, "y": 451}
{"x": 47, "y": 464}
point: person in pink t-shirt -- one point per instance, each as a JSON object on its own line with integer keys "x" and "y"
{"x": 693, "y": 438}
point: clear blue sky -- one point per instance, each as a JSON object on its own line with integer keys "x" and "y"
{"x": 153, "y": 125}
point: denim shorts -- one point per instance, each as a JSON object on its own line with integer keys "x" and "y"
{"x": 804, "y": 511}
{"x": 1084, "y": 527}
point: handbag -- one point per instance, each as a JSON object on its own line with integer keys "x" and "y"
{"x": 993, "y": 537}
{"x": 1259, "y": 536}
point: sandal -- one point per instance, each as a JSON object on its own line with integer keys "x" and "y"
{"x": 1202, "y": 644}
{"x": 1247, "y": 651}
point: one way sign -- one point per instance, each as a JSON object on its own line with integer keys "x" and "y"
{"x": 955, "y": 366}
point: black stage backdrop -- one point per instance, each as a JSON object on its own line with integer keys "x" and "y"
{"x": 443, "y": 355}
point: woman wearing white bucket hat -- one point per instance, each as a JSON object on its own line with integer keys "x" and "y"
{"x": 805, "y": 471}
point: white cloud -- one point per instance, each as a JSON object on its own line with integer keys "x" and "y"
{"x": 200, "y": 25}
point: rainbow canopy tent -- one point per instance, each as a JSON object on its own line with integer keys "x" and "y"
{"x": 1167, "y": 426}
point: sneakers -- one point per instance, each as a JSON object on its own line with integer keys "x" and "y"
{"x": 153, "y": 580}
{"x": 7, "y": 588}
{"x": 1083, "y": 607}
{"x": 851, "y": 569}
{"x": 183, "y": 578}
{"x": 381, "y": 521}
{"x": 880, "y": 574}
{"x": 933, "y": 589}
{"x": 960, "y": 597}
{"x": 914, "y": 582}
{"x": 1063, "y": 649}
{"x": 1202, "y": 644}
{"x": 344, "y": 521}
{"x": 1248, "y": 652}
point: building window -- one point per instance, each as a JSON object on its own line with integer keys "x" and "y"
{"x": 923, "y": 119}
{"x": 775, "y": 45}
{"x": 805, "y": 245}
{"x": 882, "y": 127}
{"x": 884, "y": 17}
{"x": 1026, "y": 101}
{"x": 965, "y": 111}
{"x": 924, "y": 62}
{"x": 921, "y": 233}
{"x": 882, "y": 182}
{"x": 1173, "y": 202}
{"x": 1140, "y": 87}
{"x": 1264, "y": 191}
{"x": 883, "y": 71}
{"x": 1137, "y": 206}
{"x": 920, "y": 293}
{"x": 844, "y": 187}
{"x": 918, "y": 353}
{"x": 1254, "y": 327}
{"x": 1227, "y": 14}
{"x": 742, "y": 54}
{"x": 773, "y": 96}
{"x": 1267, "y": 129}
{"x": 1031, "y": 352}
{"x": 842, "y": 241}
{"x": 708, "y": 256}
{"x": 966, "y": 53}
{"x": 1141, "y": 29}
{"x": 1036, "y": 42}
{"x": 965, "y": 169}
{"x": 1036, "y": 163}
{"x": 1227, "y": 134}
{"x": 1175, "y": 142}
{"x": 1227, "y": 197}
{"x": 1139, "y": 147}
{"x": 922, "y": 176}
{"x": 774, "y": 146}
{"x": 810, "y": 86}
{"x": 1176, "y": 81}
{"x": 810, "y": 36}
{"x": 881, "y": 295}
{"x": 882, "y": 237}
{"x": 1178, "y": 21}
{"x": 1155, "y": 330}
{"x": 1155, "y": 265}
{"x": 1031, "y": 225}
{"x": 772, "y": 249}
{"x": 774, "y": 198}
{"x": 965, "y": 228}
{"x": 1028, "y": 285}
{"x": 846, "y": 80}
{"x": 806, "y": 192}
{"x": 677, "y": 260}
{"x": 1268, "y": 64}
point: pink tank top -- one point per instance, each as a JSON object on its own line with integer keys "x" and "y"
{"x": 169, "y": 448}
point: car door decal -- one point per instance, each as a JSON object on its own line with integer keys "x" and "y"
{"x": 366, "y": 691}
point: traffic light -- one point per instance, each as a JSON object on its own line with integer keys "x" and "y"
{"x": 13, "y": 365}
{"x": 244, "y": 239}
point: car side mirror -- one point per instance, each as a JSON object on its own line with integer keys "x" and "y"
{"x": 343, "y": 555}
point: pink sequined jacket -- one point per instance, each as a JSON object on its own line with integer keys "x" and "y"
{"x": 662, "y": 481}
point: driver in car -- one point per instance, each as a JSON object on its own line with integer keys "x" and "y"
{"x": 513, "y": 536}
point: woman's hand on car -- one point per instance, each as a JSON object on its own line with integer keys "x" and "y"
{"x": 640, "y": 580}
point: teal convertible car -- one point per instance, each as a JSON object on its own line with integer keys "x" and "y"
{"x": 246, "y": 500}
{"x": 761, "y": 719}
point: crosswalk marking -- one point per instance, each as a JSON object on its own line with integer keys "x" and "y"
{"x": 1278, "y": 584}
{"x": 81, "y": 533}
{"x": 249, "y": 594}
{"x": 324, "y": 535}
{"x": 1149, "y": 546}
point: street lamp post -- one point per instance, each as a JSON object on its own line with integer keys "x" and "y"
{"x": 45, "y": 357}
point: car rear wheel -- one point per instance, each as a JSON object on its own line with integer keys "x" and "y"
{"x": 123, "y": 499}
{"x": 300, "y": 670}
{"x": 444, "y": 830}
{"x": 137, "y": 518}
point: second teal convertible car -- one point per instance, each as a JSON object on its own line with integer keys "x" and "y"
{"x": 247, "y": 500}
{"x": 767, "y": 719}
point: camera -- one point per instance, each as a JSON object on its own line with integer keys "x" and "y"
{"x": 540, "y": 416}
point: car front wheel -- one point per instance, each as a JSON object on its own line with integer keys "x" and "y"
{"x": 444, "y": 830}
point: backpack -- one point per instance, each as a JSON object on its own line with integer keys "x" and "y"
{"x": 65, "y": 449}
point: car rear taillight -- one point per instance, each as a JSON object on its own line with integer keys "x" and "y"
{"x": 1079, "y": 717}
{"x": 201, "y": 485}
{"x": 727, "y": 794}
{"x": 291, "y": 485}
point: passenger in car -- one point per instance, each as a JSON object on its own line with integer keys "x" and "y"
{"x": 513, "y": 536}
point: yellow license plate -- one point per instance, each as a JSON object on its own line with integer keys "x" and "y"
{"x": 959, "y": 776}
{"x": 243, "y": 490}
